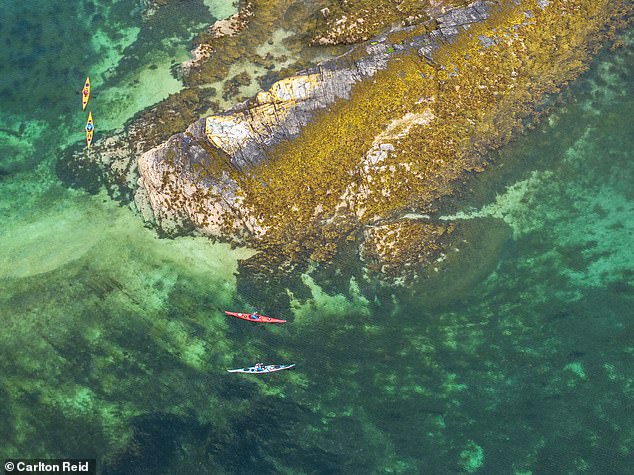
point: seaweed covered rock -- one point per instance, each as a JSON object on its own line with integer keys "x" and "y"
{"x": 401, "y": 246}
{"x": 198, "y": 176}
{"x": 362, "y": 141}
{"x": 351, "y": 21}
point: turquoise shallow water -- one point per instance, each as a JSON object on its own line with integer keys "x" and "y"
{"x": 515, "y": 357}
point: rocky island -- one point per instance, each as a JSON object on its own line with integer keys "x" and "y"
{"x": 359, "y": 147}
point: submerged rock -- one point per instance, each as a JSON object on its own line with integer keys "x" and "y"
{"x": 226, "y": 27}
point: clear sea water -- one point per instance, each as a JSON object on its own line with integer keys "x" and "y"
{"x": 515, "y": 357}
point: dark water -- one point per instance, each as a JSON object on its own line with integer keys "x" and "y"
{"x": 514, "y": 358}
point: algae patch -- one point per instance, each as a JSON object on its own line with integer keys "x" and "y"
{"x": 472, "y": 457}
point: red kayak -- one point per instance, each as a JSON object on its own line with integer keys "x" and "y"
{"x": 254, "y": 317}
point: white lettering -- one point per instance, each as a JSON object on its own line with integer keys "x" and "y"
{"x": 40, "y": 467}
{"x": 75, "y": 467}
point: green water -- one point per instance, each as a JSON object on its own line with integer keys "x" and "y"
{"x": 515, "y": 357}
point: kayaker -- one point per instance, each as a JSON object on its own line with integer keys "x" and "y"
{"x": 89, "y": 127}
{"x": 254, "y": 315}
{"x": 259, "y": 366}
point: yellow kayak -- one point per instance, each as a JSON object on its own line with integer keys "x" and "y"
{"x": 90, "y": 129}
{"x": 85, "y": 94}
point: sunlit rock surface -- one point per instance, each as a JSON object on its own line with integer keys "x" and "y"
{"x": 184, "y": 182}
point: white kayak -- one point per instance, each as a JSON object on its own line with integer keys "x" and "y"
{"x": 270, "y": 368}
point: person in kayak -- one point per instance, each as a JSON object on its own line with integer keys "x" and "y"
{"x": 89, "y": 127}
{"x": 254, "y": 316}
{"x": 259, "y": 366}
